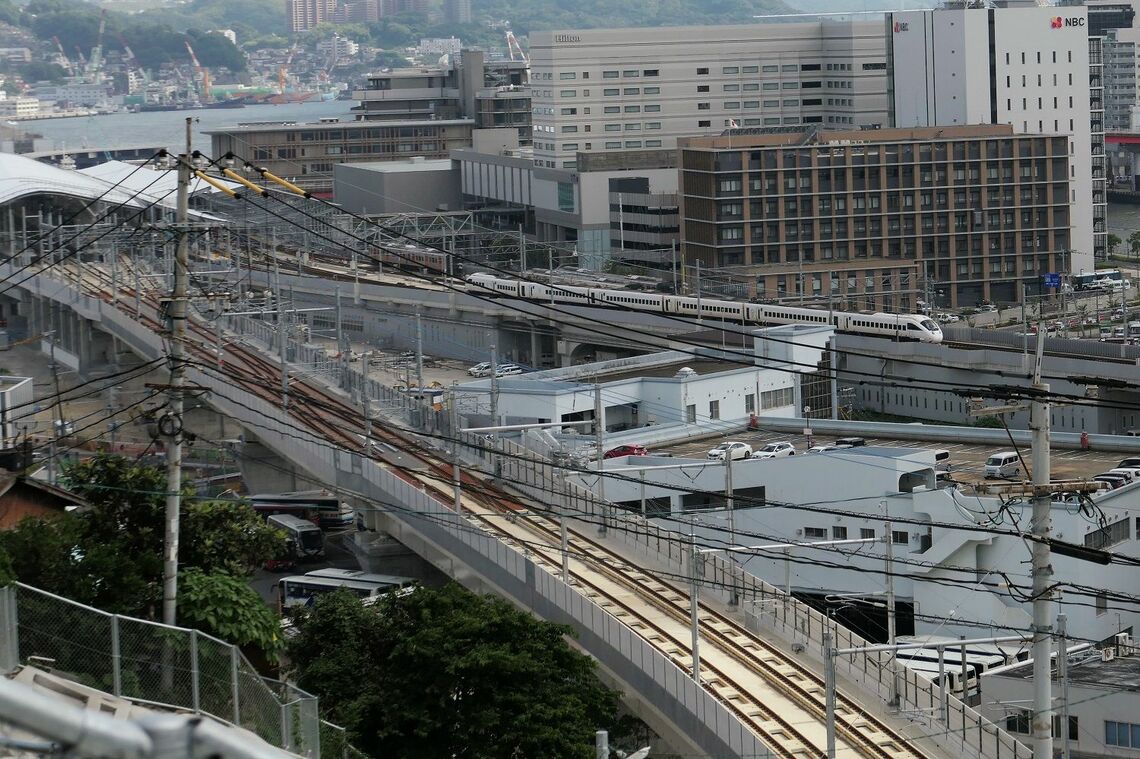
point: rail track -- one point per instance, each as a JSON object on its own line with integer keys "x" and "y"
{"x": 771, "y": 692}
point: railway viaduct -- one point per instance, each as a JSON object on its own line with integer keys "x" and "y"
{"x": 733, "y": 711}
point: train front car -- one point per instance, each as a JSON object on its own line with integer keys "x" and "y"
{"x": 931, "y": 332}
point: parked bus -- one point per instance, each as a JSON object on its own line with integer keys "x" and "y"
{"x": 320, "y": 507}
{"x": 301, "y": 590}
{"x": 1105, "y": 279}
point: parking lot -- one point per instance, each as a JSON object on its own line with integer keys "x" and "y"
{"x": 966, "y": 461}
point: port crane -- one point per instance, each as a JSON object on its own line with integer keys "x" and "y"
{"x": 515, "y": 49}
{"x": 96, "y": 63}
{"x": 63, "y": 56}
{"x": 201, "y": 74}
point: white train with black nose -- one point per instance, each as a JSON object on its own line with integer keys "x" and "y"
{"x": 896, "y": 326}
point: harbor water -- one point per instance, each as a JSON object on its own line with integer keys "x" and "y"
{"x": 167, "y": 128}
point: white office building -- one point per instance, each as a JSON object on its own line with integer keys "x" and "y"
{"x": 605, "y": 90}
{"x": 1030, "y": 67}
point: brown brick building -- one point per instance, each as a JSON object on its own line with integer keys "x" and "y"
{"x": 877, "y": 219}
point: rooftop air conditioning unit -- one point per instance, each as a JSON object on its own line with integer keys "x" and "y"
{"x": 1108, "y": 653}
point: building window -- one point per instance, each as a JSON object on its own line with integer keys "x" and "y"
{"x": 569, "y": 111}
{"x": 630, "y": 73}
{"x": 612, "y": 145}
{"x": 569, "y": 128}
{"x": 731, "y": 88}
{"x": 750, "y": 403}
{"x": 691, "y": 409}
{"x": 819, "y": 533}
{"x": 653, "y": 143}
{"x": 703, "y": 106}
{"x": 1110, "y": 535}
{"x": 714, "y": 409}
{"x": 900, "y": 537}
{"x": 730, "y": 70}
{"x": 702, "y": 72}
{"x": 567, "y": 93}
{"x": 567, "y": 75}
{"x": 633, "y": 127}
{"x": 633, "y": 109}
{"x": 612, "y": 109}
{"x": 866, "y": 533}
{"x": 570, "y": 146}
{"x": 702, "y": 88}
{"x": 771, "y": 69}
{"x": 1101, "y": 604}
{"x": 611, "y": 92}
{"x": 653, "y": 125}
{"x": 613, "y": 127}
{"x": 1126, "y": 734}
{"x": 652, "y": 109}
{"x": 785, "y": 396}
{"x": 631, "y": 91}
{"x": 566, "y": 197}
{"x": 652, "y": 90}
{"x": 650, "y": 72}
{"x": 609, "y": 75}
{"x": 838, "y": 533}
{"x": 633, "y": 143}
{"x": 703, "y": 124}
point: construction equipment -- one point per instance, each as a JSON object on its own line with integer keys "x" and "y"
{"x": 67, "y": 64}
{"x": 132, "y": 61}
{"x": 96, "y": 63}
{"x": 200, "y": 74}
{"x": 515, "y": 49}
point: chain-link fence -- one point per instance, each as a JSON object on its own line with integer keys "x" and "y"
{"x": 157, "y": 664}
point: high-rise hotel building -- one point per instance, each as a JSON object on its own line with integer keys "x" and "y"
{"x": 1034, "y": 68}
{"x": 610, "y": 90}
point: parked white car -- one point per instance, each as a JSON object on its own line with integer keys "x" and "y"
{"x": 731, "y": 450}
{"x": 506, "y": 370}
{"x": 775, "y": 450}
{"x": 482, "y": 369}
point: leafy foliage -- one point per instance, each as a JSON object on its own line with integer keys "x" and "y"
{"x": 228, "y": 608}
{"x": 153, "y": 38}
{"x": 443, "y": 672}
{"x": 110, "y": 556}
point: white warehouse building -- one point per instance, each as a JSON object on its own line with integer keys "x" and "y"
{"x": 669, "y": 395}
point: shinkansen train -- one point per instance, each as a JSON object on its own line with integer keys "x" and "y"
{"x": 898, "y": 326}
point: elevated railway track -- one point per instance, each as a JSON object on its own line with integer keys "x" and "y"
{"x": 774, "y": 694}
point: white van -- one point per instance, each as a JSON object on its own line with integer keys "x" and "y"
{"x": 306, "y": 538}
{"x": 1005, "y": 465}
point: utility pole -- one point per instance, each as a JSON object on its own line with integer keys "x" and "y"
{"x": 419, "y": 352}
{"x": 829, "y": 687}
{"x": 889, "y": 571}
{"x": 177, "y": 312}
{"x": 694, "y": 605}
{"x": 1063, "y": 676}
{"x": 1042, "y": 570}
{"x": 599, "y": 432}
{"x": 282, "y": 347}
{"x": 733, "y": 597}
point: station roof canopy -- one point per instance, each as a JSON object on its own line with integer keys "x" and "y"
{"x": 111, "y": 182}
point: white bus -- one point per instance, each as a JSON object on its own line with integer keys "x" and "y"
{"x": 301, "y": 590}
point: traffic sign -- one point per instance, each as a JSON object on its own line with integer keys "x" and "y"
{"x": 1052, "y": 279}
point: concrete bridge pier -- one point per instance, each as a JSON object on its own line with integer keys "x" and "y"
{"x": 266, "y": 472}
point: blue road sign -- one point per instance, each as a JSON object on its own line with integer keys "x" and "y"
{"x": 1052, "y": 279}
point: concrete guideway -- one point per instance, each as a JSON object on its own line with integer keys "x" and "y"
{"x": 424, "y": 521}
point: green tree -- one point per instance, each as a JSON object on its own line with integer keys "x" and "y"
{"x": 110, "y": 555}
{"x": 228, "y": 608}
{"x": 1134, "y": 243}
{"x": 444, "y": 672}
{"x": 1113, "y": 242}
{"x": 390, "y": 59}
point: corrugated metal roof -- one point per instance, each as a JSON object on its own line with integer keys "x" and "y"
{"x": 113, "y": 182}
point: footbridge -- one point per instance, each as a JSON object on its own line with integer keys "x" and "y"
{"x": 500, "y": 519}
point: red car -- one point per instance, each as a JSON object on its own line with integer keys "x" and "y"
{"x": 626, "y": 450}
